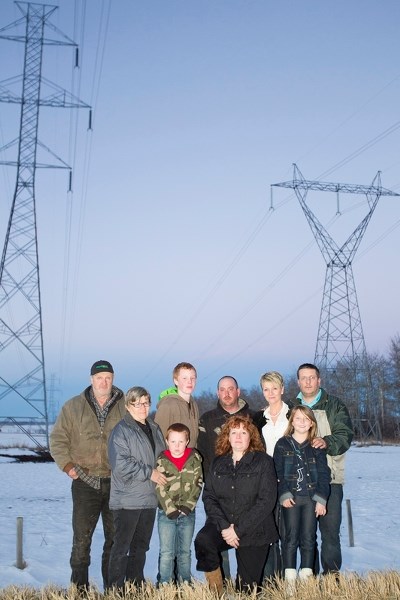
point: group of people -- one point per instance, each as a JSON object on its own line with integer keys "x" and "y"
{"x": 268, "y": 477}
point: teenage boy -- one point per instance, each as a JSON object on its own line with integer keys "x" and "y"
{"x": 180, "y": 407}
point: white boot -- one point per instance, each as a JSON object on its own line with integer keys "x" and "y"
{"x": 290, "y": 581}
{"x": 305, "y": 574}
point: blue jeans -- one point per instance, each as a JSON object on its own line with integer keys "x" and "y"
{"x": 329, "y": 526}
{"x": 300, "y": 532}
{"x": 175, "y": 540}
{"x": 88, "y": 505}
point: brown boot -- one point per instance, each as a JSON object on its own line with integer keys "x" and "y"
{"x": 214, "y": 580}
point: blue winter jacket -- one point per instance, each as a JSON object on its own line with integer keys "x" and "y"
{"x": 132, "y": 462}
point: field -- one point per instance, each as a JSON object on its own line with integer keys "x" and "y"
{"x": 40, "y": 494}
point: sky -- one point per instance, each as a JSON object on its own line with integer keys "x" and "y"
{"x": 167, "y": 249}
{"x": 40, "y": 493}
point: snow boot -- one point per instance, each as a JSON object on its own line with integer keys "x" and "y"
{"x": 290, "y": 581}
{"x": 214, "y": 580}
{"x": 305, "y": 573}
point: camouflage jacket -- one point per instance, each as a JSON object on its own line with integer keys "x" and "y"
{"x": 183, "y": 488}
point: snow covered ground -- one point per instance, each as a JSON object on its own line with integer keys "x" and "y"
{"x": 40, "y": 493}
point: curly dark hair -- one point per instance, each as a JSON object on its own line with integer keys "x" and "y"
{"x": 223, "y": 445}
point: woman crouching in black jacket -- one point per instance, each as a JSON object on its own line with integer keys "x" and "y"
{"x": 239, "y": 499}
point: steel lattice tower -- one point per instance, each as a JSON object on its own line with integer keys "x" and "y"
{"x": 22, "y": 364}
{"x": 340, "y": 350}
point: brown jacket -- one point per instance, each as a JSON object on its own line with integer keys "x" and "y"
{"x": 77, "y": 438}
{"x": 174, "y": 409}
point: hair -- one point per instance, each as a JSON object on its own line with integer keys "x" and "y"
{"x": 135, "y": 393}
{"x": 273, "y": 377}
{"x": 228, "y": 377}
{"x": 182, "y": 365}
{"x": 179, "y": 428}
{"x": 223, "y": 445}
{"x": 307, "y": 412}
{"x": 307, "y": 366}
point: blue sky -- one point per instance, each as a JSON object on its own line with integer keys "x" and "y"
{"x": 199, "y": 107}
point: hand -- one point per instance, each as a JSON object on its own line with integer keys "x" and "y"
{"x": 288, "y": 503}
{"x": 158, "y": 478}
{"x": 72, "y": 473}
{"x": 320, "y": 509}
{"x": 319, "y": 442}
{"x": 230, "y": 537}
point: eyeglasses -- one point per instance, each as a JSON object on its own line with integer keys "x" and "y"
{"x": 140, "y": 404}
{"x": 311, "y": 378}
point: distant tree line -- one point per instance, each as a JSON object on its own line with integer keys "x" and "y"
{"x": 371, "y": 391}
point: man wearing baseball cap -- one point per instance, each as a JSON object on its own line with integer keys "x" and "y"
{"x": 78, "y": 444}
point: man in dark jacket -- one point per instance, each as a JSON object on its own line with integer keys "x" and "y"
{"x": 229, "y": 403}
{"x": 78, "y": 444}
{"x": 335, "y": 433}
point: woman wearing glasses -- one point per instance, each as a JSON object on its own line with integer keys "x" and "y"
{"x": 133, "y": 448}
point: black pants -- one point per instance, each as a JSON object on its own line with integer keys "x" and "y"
{"x": 273, "y": 566}
{"x": 88, "y": 505}
{"x": 250, "y": 559}
{"x": 133, "y": 529}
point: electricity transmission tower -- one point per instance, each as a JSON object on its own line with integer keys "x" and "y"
{"x": 340, "y": 350}
{"x": 23, "y": 397}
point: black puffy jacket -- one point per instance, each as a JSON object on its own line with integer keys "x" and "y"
{"x": 244, "y": 495}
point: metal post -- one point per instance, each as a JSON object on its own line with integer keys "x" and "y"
{"x": 20, "y": 564}
{"x": 350, "y": 523}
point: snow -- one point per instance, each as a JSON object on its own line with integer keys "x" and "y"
{"x": 40, "y": 493}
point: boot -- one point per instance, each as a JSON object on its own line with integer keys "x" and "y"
{"x": 214, "y": 580}
{"x": 290, "y": 581}
{"x": 305, "y": 574}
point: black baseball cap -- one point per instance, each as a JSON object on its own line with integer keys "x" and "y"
{"x": 101, "y": 366}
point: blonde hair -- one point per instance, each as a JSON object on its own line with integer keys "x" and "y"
{"x": 273, "y": 377}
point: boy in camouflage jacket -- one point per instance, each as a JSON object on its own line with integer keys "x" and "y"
{"x": 177, "y": 501}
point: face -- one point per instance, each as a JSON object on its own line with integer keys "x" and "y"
{"x": 185, "y": 381}
{"x": 239, "y": 439}
{"x": 140, "y": 409}
{"x": 228, "y": 394}
{"x": 301, "y": 423}
{"x": 102, "y": 383}
{"x": 309, "y": 383}
{"x": 272, "y": 392}
{"x": 177, "y": 442}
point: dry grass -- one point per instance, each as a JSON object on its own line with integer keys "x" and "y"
{"x": 374, "y": 586}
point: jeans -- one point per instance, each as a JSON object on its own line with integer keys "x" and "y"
{"x": 329, "y": 526}
{"x": 133, "y": 529}
{"x": 300, "y": 532}
{"x": 88, "y": 505}
{"x": 175, "y": 540}
{"x": 209, "y": 544}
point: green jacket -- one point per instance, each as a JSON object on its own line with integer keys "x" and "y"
{"x": 335, "y": 427}
{"x": 183, "y": 488}
{"x": 77, "y": 438}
